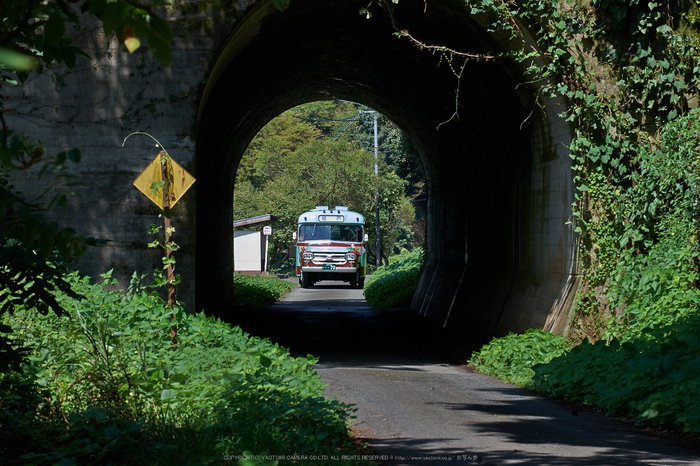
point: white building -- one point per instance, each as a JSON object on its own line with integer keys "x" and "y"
{"x": 249, "y": 246}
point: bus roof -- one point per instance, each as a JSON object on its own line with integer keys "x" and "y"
{"x": 322, "y": 214}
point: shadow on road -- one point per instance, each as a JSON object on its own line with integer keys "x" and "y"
{"x": 346, "y": 329}
{"x": 416, "y": 401}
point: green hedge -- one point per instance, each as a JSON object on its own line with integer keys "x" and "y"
{"x": 393, "y": 285}
{"x": 259, "y": 290}
{"x": 655, "y": 377}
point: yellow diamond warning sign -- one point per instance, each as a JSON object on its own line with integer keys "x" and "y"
{"x": 178, "y": 179}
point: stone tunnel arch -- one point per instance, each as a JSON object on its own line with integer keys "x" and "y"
{"x": 501, "y": 255}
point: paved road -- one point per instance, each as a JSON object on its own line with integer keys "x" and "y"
{"x": 415, "y": 406}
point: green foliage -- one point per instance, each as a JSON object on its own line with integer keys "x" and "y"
{"x": 258, "y": 290}
{"x": 637, "y": 173}
{"x": 393, "y": 285}
{"x": 656, "y": 279}
{"x": 512, "y": 357}
{"x": 109, "y": 386}
{"x": 22, "y": 407}
{"x": 294, "y": 164}
{"x": 29, "y": 274}
{"x": 132, "y": 24}
{"x": 654, "y": 377}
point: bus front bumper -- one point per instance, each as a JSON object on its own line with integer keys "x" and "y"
{"x": 331, "y": 268}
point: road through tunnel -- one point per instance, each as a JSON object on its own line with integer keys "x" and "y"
{"x": 500, "y": 255}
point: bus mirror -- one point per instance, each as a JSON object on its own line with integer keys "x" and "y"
{"x": 294, "y": 236}
{"x": 366, "y": 237}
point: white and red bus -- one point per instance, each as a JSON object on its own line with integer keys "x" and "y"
{"x": 331, "y": 246}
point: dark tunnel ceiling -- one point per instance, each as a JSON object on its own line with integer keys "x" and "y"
{"x": 320, "y": 50}
{"x": 324, "y": 49}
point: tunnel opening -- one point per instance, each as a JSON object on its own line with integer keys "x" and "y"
{"x": 499, "y": 184}
{"x": 327, "y": 153}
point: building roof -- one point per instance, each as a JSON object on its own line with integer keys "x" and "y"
{"x": 254, "y": 220}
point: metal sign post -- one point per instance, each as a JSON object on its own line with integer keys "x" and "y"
{"x": 166, "y": 175}
{"x": 267, "y": 231}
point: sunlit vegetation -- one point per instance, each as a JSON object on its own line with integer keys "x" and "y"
{"x": 393, "y": 285}
{"x": 259, "y": 290}
{"x": 120, "y": 381}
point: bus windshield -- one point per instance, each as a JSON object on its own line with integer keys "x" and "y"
{"x": 350, "y": 233}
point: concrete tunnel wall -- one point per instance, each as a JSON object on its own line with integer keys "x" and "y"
{"x": 500, "y": 254}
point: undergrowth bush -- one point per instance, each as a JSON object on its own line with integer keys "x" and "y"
{"x": 512, "y": 357}
{"x": 393, "y": 285}
{"x": 655, "y": 377}
{"x": 259, "y": 290}
{"x": 111, "y": 384}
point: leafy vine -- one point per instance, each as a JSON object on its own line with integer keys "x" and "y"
{"x": 629, "y": 73}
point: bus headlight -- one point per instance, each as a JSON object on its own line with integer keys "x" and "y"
{"x": 351, "y": 256}
{"x": 307, "y": 256}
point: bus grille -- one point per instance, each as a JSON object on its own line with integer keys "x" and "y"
{"x": 329, "y": 258}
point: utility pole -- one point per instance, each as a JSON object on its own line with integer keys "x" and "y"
{"x": 376, "y": 194}
{"x": 377, "y": 233}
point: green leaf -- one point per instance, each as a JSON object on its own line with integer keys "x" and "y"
{"x": 232, "y": 378}
{"x": 160, "y": 48}
{"x": 74, "y": 155}
{"x": 69, "y": 56}
{"x": 49, "y": 52}
{"x": 265, "y": 361}
{"x": 16, "y": 61}
{"x": 97, "y": 6}
{"x": 113, "y": 16}
{"x": 54, "y": 29}
{"x": 161, "y": 28}
{"x": 46, "y": 242}
{"x": 282, "y": 5}
{"x": 28, "y": 233}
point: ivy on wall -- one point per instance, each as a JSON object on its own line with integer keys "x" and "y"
{"x": 628, "y": 70}
{"x": 635, "y": 154}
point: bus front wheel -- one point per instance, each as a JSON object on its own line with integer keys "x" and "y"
{"x": 357, "y": 281}
{"x": 305, "y": 280}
